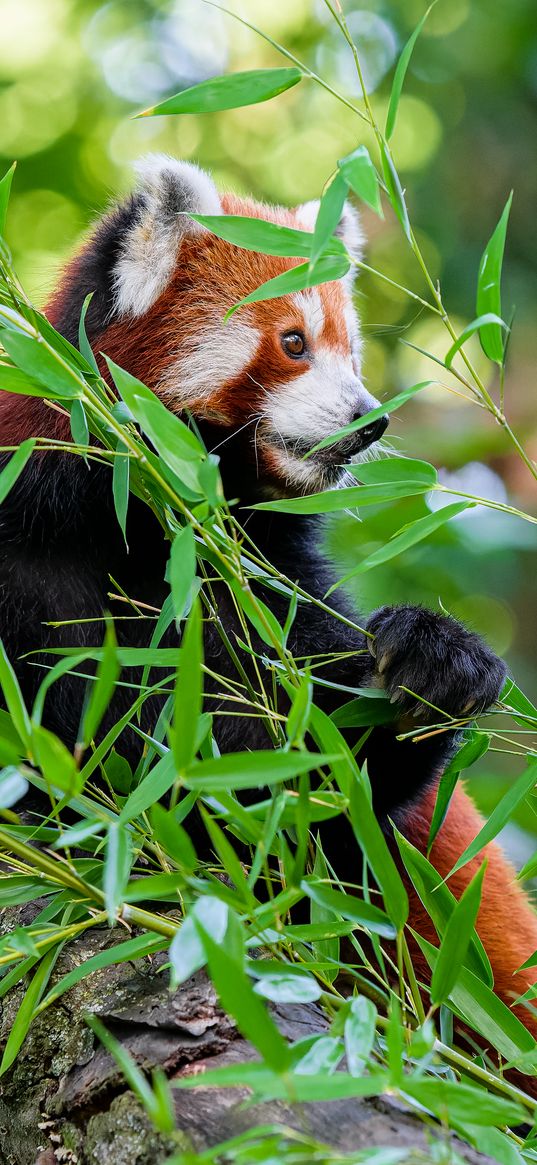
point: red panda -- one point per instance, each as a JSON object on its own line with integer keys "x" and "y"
{"x": 263, "y": 389}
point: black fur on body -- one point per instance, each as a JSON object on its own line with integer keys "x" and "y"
{"x": 60, "y": 542}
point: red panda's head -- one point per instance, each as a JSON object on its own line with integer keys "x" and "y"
{"x": 284, "y": 373}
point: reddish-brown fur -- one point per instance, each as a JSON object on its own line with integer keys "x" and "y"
{"x": 507, "y": 923}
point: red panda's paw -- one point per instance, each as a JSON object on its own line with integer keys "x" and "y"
{"x": 420, "y": 653}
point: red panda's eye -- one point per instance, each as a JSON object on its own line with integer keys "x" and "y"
{"x": 294, "y": 343}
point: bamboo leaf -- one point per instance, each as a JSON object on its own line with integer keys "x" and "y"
{"x": 102, "y": 688}
{"x": 182, "y": 569}
{"x": 250, "y": 770}
{"x": 188, "y": 696}
{"x": 25, "y": 1014}
{"x": 499, "y": 817}
{"x": 117, "y": 867}
{"x": 231, "y": 91}
{"x": 328, "y": 215}
{"x": 13, "y": 698}
{"x": 489, "y": 319}
{"x": 120, "y": 487}
{"x": 474, "y": 747}
{"x": 347, "y": 906}
{"x": 15, "y": 466}
{"x": 457, "y": 938}
{"x": 395, "y": 191}
{"x": 328, "y": 267}
{"x": 5, "y": 189}
{"x": 404, "y": 539}
{"x": 489, "y": 299}
{"x": 440, "y": 903}
{"x": 389, "y": 406}
{"x": 359, "y": 1032}
{"x": 360, "y": 174}
{"x": 400, "y": 74}
{"x": 255, "y": 234}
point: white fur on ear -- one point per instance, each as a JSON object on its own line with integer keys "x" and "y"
{"x": 169, "y": 190}
{"x": 349, "y": 230}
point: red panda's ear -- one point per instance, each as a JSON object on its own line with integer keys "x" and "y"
{"x": 349, "y": 228}
{"x": 169, "y": 191}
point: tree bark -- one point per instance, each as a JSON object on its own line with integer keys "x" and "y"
{"x": 65, "y": 1100}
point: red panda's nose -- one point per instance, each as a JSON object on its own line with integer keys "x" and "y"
{"x": 372, "y": 432}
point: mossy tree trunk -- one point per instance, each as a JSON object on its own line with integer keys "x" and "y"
{"x": 65, "y": 1100}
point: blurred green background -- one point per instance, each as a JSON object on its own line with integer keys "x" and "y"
{"x": 73, "y": 72}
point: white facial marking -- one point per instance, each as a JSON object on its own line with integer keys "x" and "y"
{"x": 217, "y": 353}
{"x": 171, "y": 190}
{"x": 310, "y": 304}
{"x": 319, "y": 402}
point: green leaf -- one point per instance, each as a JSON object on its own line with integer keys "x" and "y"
{"x": 404, "y": 539}
{"x": 439, "y": 902}
{"x": 229, "y": 859}
{"x": 187, "y": 952}
{"x": 13, "y": 698}
{"x": 454, "y": 1101}
{"x": 328, "y": 215}
{"x": 250, "y": 770}
{"x": 120, "y": 487}
{"x": 287, "y": 986}
{"x": 14, "y": 380}
{"x": 360, "y": 174}
{"x": 488, "y": 300}
{"x": 324, "y": 949}
{"x": 395, "y": 1043}
{"x": 174, "y": 838}
{"x": 57, "y": 764}
{"x": 34, "y": 356}
{"x": 323, "y": 1055}
{"x": 240, "y": 1001}
{"x": 395, "y": 191}
{"x": 259, "y": 615}
{"x": 79, "y": 423}
{"x": 296, "y": 1086}
{"x": 485, "y": 1012}
{"x": 489, "y": 318}
{"x": 25, "y": 1014}
{"x": 389, "y": 406}
{"x": 328, "y": 267}
{"x": 102, "y": 688}
{"x": 154, "y": 786}
{"x": 117, "y": 867}
{"x": 359, "y": 1033}
{"x": 397, "y": 469}
{"x": 256, "y": 234}
{"x": 174, "y": 441}
{"x": 457, "y": 938}
{"x": 473, "y": 748}
{"x": 400, "y": 73}
{"x": 347, "y": 906}
{"x": 182, "y": 569}
{"x": 161, "y": 1115}
{"x": 371, "y": 840}
{"x": 13, "y": 786}
{"x": 231, "y": 91}
{"x": 188, "y": 696}
{"x": 499, "y": 817}
{"x": 15, "y": 889}
{"x": 83, "y": 342}
{"x": 15, "y": 466}
{"x": 5, "y": 189}
{"x": 351, "y": 497}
